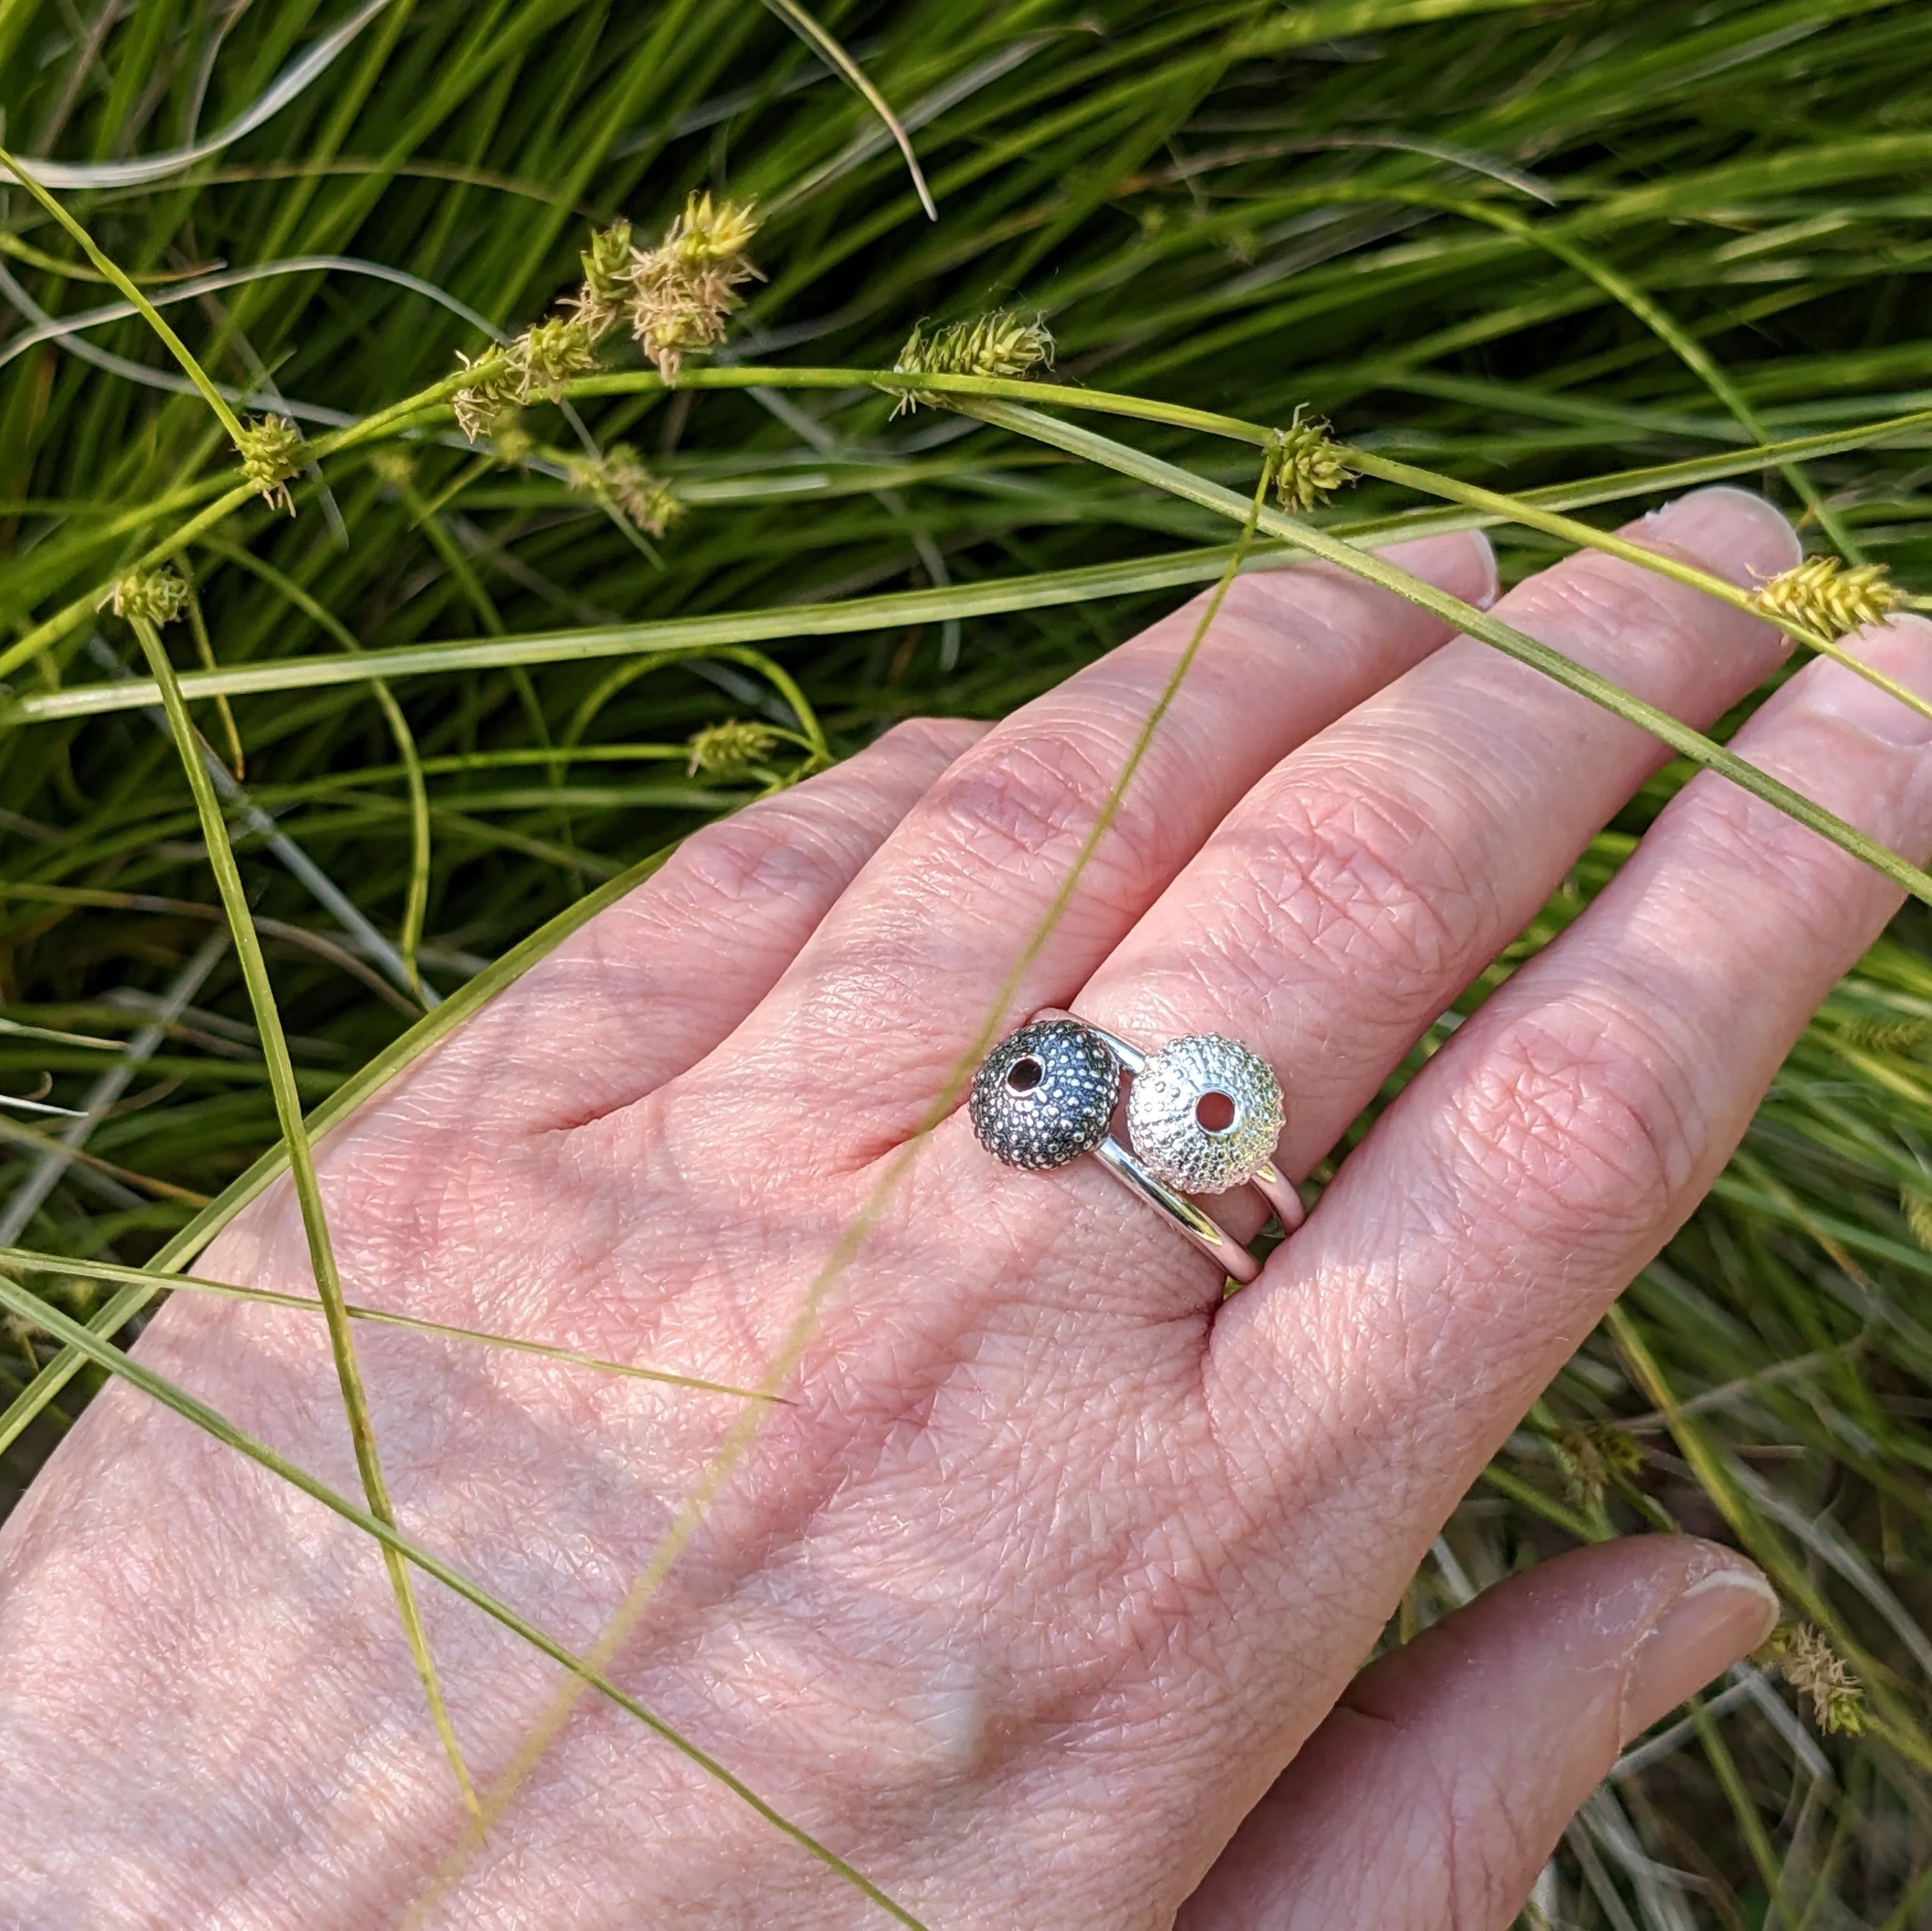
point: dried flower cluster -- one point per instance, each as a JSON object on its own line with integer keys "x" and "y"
{"x": 270, "y": 450}
{"x": 1827, "y": 598}
{"x": 676, "y": 297}
{"x": 731, "y": 748}
{"x": 149, "y": 596}
{"x": 1806, "y": 1659}
{"x": 601, "y": 301}
{"x": 620, "y": 478}
{"x": 1306, "y": 464}
{"x": 1589, "y": 1457}
{"x": 682, "y": 291}
{"x": 1001, "y": 344}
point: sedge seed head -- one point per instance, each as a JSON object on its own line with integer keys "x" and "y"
{"x": 153, "y": 596}
{"x": 1590, "y": 1457}
{"x": 1804, "y": 1657}
{"x": 483, "y": 402}
{"x": 598, "y": 303}
{"x": 730, "y": 749}
{"x": 271, "y": 451}
{"x": 1875, "y": 1035}
{"x": 1306, "y": 463}
{"x": 682, "y": 293}
{"x": 620, "y": 478}
{"x": 510, "y": 443}
{"x": 549, "y": 355}
{"x": 1823, "y": 596}
{"x": 711, "y": 234}
{"x": 1916, "y": 1203}
{"x": 1001, "y": 344}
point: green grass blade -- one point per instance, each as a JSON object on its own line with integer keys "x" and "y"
{"x": 1553, "y": 663}
{"x": 143, "y": 307}
{"x": 24, "y": 1259}
{"x": 308, "y": 1188}
{"x": 809, "y": 30}
{"x": 400, "y": 1549}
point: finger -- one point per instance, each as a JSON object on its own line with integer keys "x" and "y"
{"x": 651, "y": 985}
{"x": 1569, "y": 1127}
{"x": 920, "y": 949}
{"x": 1435, "y": 1793}
{"x": 1366, "y": 881}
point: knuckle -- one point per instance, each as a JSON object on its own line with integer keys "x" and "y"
{"x": 1810, "y": 890}
{"x": 755, "y": 855}
{"x": 1031, "y": 803}
{"x": 1575, "y": 1126}
{"x": 934, "y": 742}
{"x": 1360, "y": 887}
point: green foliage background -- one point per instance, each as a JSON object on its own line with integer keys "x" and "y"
{"x": 1377, "y": 210}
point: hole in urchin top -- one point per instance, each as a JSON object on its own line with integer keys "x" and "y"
{"x": 1024, "y": 1074}
{"x": 1214, "y": 1113}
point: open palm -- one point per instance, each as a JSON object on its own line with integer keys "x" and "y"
{"x": 1052, "y": 1566}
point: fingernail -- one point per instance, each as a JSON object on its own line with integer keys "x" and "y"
{"x": 1902, "y": 649}
{"x": 1722, "y": 1615}
{"x": 1730, "y": 531}
{"x": 1464, "y": 564}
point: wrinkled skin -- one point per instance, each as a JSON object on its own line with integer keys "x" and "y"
{"x": 1056, "y": 1566}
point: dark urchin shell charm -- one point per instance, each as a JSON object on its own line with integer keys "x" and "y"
{"x": 1045, "y": 1094}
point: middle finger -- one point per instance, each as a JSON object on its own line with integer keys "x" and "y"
{"x": 1368, "y": 878}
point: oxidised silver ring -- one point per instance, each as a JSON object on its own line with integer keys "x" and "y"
{"x": 1203, "y": 1114}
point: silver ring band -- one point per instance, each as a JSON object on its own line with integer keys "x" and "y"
{"x": 1047, "y": 1093}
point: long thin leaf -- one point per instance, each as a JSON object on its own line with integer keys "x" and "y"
{"x": 1491, "y": 630}
{"x": 26, "y": 1261}
{"x": 809, "y": 30}
{"x": 136, "y": 299}
{"x": 398, "y": 1548}
{"x": 308, "y": 1187}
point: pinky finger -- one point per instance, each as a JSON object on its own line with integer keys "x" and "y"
{"x": 1436, "y": 1791}
{"x": 652, "y": 984}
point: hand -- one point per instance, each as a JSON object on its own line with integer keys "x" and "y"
{"x": 1055, "y": 1571}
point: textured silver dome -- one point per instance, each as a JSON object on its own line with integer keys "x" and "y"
{"x": 1045, "y": 1094}
{"x": 1165, "y": 1105}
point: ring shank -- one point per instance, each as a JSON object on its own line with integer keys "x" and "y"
{"x": 1206, "y": 1233}
{"x": 1201, "y": 1227}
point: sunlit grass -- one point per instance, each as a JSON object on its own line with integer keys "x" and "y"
{"x": 1531, "y": 261}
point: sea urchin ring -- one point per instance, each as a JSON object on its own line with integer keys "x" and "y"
{"x": 1203, "y": 1114}
{"x": 1045, "y": 1095}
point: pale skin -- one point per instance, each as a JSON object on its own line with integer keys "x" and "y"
{"x": 1046, "y": 1601}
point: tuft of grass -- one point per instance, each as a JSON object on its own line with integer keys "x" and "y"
{"x": 1534, "y": 266}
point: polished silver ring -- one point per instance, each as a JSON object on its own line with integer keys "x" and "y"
{"x": 1203, "y": 1114}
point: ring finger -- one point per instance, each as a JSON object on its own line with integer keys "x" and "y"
{"x": 1371, "y": 875}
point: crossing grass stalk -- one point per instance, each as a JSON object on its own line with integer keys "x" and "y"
{"x": 1538, "y": 265}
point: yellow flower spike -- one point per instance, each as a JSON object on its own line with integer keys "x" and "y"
{"x": 1001, "y": 344}
{"x": 1824, "y": 596}
{"x": 1804, "y": 1657}
{"x": 488, "y": 400}
{"x": 729, "y": 749}
{"x": 270, "y": 450}
{"x": 599, "y": 305}
{"x": 620, "y": 478}
{"x": 682, "y": 291}
{"x": 1307, "y": 464}
{"x": 155, "y": 596}
{"x": 547, "y": 356}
